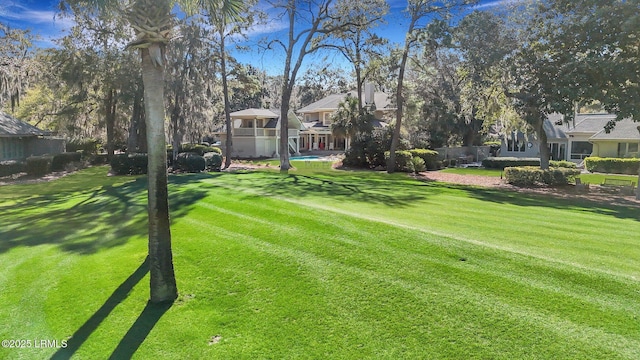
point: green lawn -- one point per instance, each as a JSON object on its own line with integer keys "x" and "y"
{"x": 318, "y": 264}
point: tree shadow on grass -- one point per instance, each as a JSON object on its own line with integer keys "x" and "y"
{"x": 119, "y": 295}
{"x": 140, "y": 329}
{"x": 84, "y": 222}
{"x": 357, "y": 188}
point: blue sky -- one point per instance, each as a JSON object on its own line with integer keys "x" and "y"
{"x": 40, "y": 17}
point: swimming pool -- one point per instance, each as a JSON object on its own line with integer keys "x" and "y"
{"x": 307, "y": 158}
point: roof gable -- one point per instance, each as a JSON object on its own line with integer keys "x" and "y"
{"x": 330, "y": 103}
{"x": 10, "y": 126}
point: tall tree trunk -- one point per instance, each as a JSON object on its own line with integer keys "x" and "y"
{"x": 285, "y": 165}
{"x": 544, "y": 146}
{"x": 227, "y": 108}
{"x": 395, "y": 139}
{"x": 162, "y": 282}
{"x": 110, "y": 106}
{"x": 133, "y": 142}
{"x": 359, "y": 73}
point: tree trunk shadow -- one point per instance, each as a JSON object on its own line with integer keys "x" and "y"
{"x": 139, "y": 330}
{"x": 119, "y": 295}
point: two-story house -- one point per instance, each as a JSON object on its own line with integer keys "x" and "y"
{"x": 316, "y": 118}
{"x": 256, "y": 133}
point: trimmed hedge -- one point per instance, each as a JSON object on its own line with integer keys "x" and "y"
{"x": 129, "y": 164}
{"x": 563, "y": 164}
{"x": 612, "y": 165}
{"x": 198, "y": 149}
{"x": 61, "y": 160}
{"x": 39, "y": 165}
{"x": 212, "y": 161}
{"x": 11, "y": 167}
{"x": 190, "y": 162}
{"x": 531, "y": 176}
{"x": 403, "y": 157}
{"x": 430, "y": 158}
{"x": 503, "y": 162}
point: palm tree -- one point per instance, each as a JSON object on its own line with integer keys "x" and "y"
{"x": 348, "y": 121}
{"x": 152, "y": 21}
{"x": 221, "y": 14}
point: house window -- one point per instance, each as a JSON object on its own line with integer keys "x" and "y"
{"x": 11, "y": 149}
{"x": 627, "y": 149}
{"x": 581, "y": 149}
{"x": 326, "y": 119}
{"x": 516, "y": 146}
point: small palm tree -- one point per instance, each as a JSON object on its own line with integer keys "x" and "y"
{"x": 348, "y": 121}
{"x": 152, "y": 21}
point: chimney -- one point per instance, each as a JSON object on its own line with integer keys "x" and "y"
{"x": 368, "y": 93}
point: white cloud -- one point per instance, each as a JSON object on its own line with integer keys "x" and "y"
{"x": 36, "y": 18}
{"x": 497, "y": 3}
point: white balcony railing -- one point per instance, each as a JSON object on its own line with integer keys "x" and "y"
{"x": 243, "y": 132}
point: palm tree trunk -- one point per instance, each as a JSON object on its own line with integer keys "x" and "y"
{"x": 163, "y": 282}
{"x": 225, "y": 92}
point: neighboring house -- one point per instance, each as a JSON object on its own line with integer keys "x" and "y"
{"x": 19, "y": 140}
{"x": 316, "y": 118}
{"x": 583, "y": 137}
{"x": 256, "y": 133}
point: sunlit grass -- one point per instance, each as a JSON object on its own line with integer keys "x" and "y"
{"x": 319, "y": 264}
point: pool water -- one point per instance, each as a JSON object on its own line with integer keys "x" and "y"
{"x": 308, "y": 157}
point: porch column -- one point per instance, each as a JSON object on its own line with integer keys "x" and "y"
{"x": 255, "y": 132}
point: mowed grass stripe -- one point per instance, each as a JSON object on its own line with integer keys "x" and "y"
{"x": 320, "y": 265}
{"x": 411, "y": 253}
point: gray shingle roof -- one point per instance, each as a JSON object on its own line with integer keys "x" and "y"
{"x": 10, "y": 126}
{"x": 625, "y": 129}
{"x": 331, "y": 102}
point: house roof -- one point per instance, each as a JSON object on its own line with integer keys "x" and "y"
{"x": 554, "y": 128}
{"x": 255, "y": 113}
{"x": 381, "y": 100}
{"x": 589, "y": 123}
{"x": 10, "y": 126}
{"x": 625, "y": 129}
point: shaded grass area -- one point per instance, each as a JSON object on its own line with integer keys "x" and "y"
{"x": 325, "y": 264}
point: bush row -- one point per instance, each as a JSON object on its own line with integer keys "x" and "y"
{"x": 530, "y": 176}
{"x": 60, "y": 161}
{"x": 198, "y": 149}
{"x": 136, "y": 164}
{"x": 612, "y": 165}
{"x": 38, "y": 165}
{"x": 129, "y": 164}
{"x": 430, "y": 158}
{"x": 11, "y": 167}
{"x": 503, "y": 162}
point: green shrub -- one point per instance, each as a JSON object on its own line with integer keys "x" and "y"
{"x": 11, "y": 167}
{"x": 88, "y": 146}
{"x": 199, "y": 149}
{"x": 430, "y": 158}
{"x": 612, "y": 165}
{"x": 212, "y": 161}
{"x": 403, "y": 158}
{"x": 61, "y": 160}
{"x": 417, "y": 165}
{"x": 503, "y": 162}
{"x": 39, "y": 165}
{"x": 190, "y": 162}
{"x": 99, "y": 159}
{"x": 530, "y": 176}
{"x": 129, "y": 164}
{"x": 562, "y": 164}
